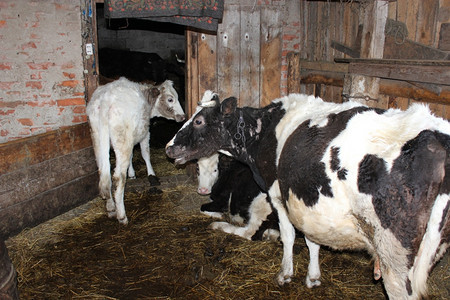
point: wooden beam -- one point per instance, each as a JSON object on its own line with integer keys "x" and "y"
{"x": 359, "y": 87}
{"x": 387, "y": 87}
{"x": 418, "y": 73}
{"x": 384, "y": 61}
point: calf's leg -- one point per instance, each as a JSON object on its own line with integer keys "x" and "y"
{"x": 123, "y": 148}
{"x": 145, "y": 152}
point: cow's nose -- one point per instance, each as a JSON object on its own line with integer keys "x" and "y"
{"x": 180, "y": 118}
{"x": 169, "y": 151}
{"x": 203, "y": 191}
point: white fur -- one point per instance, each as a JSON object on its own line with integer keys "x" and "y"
{"x": 119, "y": 116}
{"x": 207, "y": 173}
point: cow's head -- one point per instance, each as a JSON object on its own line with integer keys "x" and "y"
{"x": 167, "y": 104}
{"x": 207, "y": 173}
{"x": 205, "y": 132}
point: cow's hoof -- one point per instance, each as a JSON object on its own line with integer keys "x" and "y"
{"x": 154, "y": 191}
{"x": 310, "y": 282}
{"x": 123, "y": 221}
{"x": 282, "y": 279}
{"x": 213, "y": 214}
{"x": 153, "y": 180}
{"x": 112, "y": 214}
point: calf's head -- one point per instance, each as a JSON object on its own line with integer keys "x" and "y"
{"x": 167, "y": 104}
{"x": 207, "y": 173}
{"x": 204, "y": 133}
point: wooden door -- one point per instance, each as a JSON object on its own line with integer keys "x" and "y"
{"x": 243, "y": 59}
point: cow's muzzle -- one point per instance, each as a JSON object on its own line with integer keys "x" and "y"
{"x": 176, "y": 153}
{"x": 180, "y": 118}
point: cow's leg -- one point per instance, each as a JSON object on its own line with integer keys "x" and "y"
{"x": 258, "y": 211}
{"x": 376, "y": 268}
{"x": 313, "y": 276}
{"x": 287, "y": 236}
{"x": 131, "y": 173}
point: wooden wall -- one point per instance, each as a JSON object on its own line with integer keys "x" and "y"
{"x": 45, "y": 175}
{"x": 242, "y": 59}
{"x": 333, "y": 30}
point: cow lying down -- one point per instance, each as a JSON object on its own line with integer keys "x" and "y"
{"x": 232, "y": 189}
{"x": 346, "y": 175}
{"x": 119, "y": 115}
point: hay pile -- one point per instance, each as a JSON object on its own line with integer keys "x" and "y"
{"x": 168, "y": 252}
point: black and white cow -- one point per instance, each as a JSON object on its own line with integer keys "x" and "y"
{"x": 233, "y": 190}
{"x": 346, "y": 175}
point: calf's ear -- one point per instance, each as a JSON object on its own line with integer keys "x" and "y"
{"x": 155, "y": 92}
{"x": 228, "y": 106}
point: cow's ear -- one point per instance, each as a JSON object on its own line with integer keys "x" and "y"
{"x": 215, "y": 98}
{"x": 155, "y": 92}
{"x": 228, "y": 106}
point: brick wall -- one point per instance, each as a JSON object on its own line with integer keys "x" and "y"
{"x": 47, "y": 164}
{"x": 41, "y": 67}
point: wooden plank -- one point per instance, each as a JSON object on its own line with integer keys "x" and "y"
{"x": 427, "y": 74}
{"x": 47, "y": 205}
{"x": 411, "y": 7}
{"x": 293, "y": 80}
{"x": 90, "y": 62}
{"x": 38, "y": 148}
{"x": 427, "y": 16}
{"x": 416, "y": 62}
{"x": 192, "y": 84}
{"x": 324, "y": 66}
{"x": 321, "y": 77}
{"x": 249, "y": 57}
{"x": 387, "y": 87}
{"x": 411, "y": 50}
{"x": 358, "y": 87}
{"x": 228, "y": 41}
{"x": 345, "y": 49}
{"x": 207, "y": 63}
{"x": 271, "y": 45}
{"x": 444, "y": 37}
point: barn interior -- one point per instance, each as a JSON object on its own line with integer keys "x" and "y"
{"x": 56, "y": 241}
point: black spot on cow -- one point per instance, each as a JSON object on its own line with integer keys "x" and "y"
{"x": 342, "y": 174}
{"x": 300, "y": 167}
{"x": 335, "y": 164}
{"x": 402, "y": 196}
{"x": 266, "y": 156}
{"x": 334, "y": 161}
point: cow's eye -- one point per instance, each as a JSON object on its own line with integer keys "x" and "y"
{"x": 199, "y": 121}
{"x": 170, "y": 100}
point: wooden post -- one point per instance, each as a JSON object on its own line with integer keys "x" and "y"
{"x": 89, "y": 47}
{"x": 365, "y": 89}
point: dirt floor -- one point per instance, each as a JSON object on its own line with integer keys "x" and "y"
{"x": 168, "y": 252}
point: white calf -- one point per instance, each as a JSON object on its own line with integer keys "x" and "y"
{"x": 207, "y": 173}
{"x": 119, "y": 115}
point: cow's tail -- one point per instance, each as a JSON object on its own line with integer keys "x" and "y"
{"x": 101, "y": 140}
{"x": 430, "y": 248}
